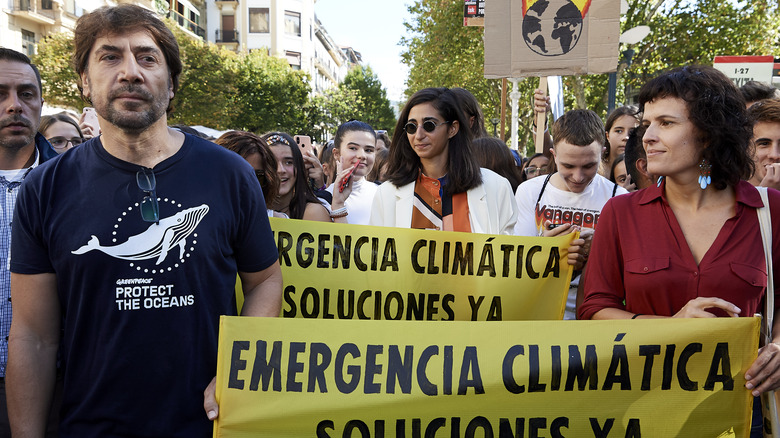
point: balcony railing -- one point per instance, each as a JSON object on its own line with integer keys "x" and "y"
{"x": 40, "y": 7}
{"x": 185, "y": 23}
{"x": 226, "y": 36}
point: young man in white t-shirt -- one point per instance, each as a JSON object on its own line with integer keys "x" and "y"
{"x": 570, "y": 199}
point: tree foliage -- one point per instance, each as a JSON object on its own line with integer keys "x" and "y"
{"x": 441, "y": 52}
{"x": 373, "y": 106}
{"x": 57, "y": 74}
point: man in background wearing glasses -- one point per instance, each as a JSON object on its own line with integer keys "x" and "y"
{"x": 21, "y": 149}
{"x": 126, "y": 250}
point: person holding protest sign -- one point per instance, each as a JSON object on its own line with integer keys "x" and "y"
{"x": 434, "y": 182}
{"x": 690, "y": 246}
{"x": 354, "y": 150}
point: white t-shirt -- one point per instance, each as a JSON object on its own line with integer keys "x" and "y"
{"x": 562, "y": 207}
{"x": 359, "y": 201}
{"x": 559, "y": 206}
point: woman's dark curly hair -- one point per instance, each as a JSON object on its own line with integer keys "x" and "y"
{"x": 717, "y": 110}
{"x": 246, "y": 144}
{"x": 462, "y": 169}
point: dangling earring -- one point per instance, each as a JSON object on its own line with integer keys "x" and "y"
{"x": 660, "y": 180}
{"x": 704, "y": 178}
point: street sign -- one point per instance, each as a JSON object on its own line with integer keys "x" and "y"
{"x": 742, "y": 69}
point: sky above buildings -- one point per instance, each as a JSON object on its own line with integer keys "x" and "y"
{"x": 373, "y": 28}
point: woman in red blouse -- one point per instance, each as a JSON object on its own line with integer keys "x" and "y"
{"x": 689, "y": 247}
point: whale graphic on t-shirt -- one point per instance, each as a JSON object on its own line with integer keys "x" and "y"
{"x": 157, "y": 240}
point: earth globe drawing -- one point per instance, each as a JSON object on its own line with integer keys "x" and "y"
{"x": 552, "y": 27}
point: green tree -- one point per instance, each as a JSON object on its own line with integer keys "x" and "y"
{"x": 373, "y": 107}
{"x": 270, "y": 95}
{"x": 57, "y": 75}
{"x": 327, "y": 111}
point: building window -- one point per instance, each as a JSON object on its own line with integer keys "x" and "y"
{"x": 47, "y": 5}
{"x": 28, "y": 42}
{"x": 258, "y": 20}
{"x": 292, "y": 23}
{"x": 294, "y": 59}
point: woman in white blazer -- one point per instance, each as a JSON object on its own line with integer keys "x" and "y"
{"x": 433, "y": 179}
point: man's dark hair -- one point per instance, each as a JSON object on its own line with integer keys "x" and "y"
{"x": 120, "y": 20}
{"x": 766, "y": 111}
{"x": 404, "y": 164}
{"x": 754, "y": 91}
{"x": 579, "y": 127}
{"x": 14, "y": 56}
{"x": 633, "y": 152}
{"x": 717, "y": 110}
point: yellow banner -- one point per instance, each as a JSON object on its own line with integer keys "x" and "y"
{"x": 339, "y": 271}
{"x": 281, "y": 377}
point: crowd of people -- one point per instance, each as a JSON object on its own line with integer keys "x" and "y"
{"x": 105, "y": 302}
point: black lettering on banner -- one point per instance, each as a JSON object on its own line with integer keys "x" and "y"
{"x": 415, "y": 310}
{"x": 377, "y": 304}
{"x": 379, "y": 428}
{"x": 486, "y": 261}
{"x": 266, "y": 370}
{"x": 322, "y": 250}
{"x": 319, "y": 360}
{"x": 666, "y": 381}
{"x": 308, "y": 293}
{"x": 619, "y": 361}
{"x": 372, "y": 369}
{"x": 649, "y": 351}
{"x": 535, "y": 425}
{"x": 448, "y": 363}
{"x": 510, "y": 383}
{"x": 505, "y": 427}
{"x": 415, "y": 250}
{"x": 553, "y": 264}
{"x": 557, "y": 425}
{"x": 348, "y": 311}
{"x": 359, "y": 425}
{"x": 294, "y": 367}
{"x": 374, "y": 253}
{"x": 432, "y": 309}
{"x": 495, "y": 313}
{"x": 289, "y": 291}
{"x": 341, "y": 251}
{"x": 326, "y": 304}
{"x": 322, "y": 425}
{"x": 426, "y": 386}
{"x": 519, "y": 263}
{"x": 390, "y": 256}
{"x": 237, "y": 364}
{"x": 463, "y": 259}
{"x": 556, "y": 368}
{"x": 353, "y": 371}
{"x": 720, "y": 361}
{"x": 399, "y": 306}
{"x": 533, "y": 374}
{"x": 362, "y": 240}
{"x": 633, "y": 430}
{"x": 308, "y": 251}
{"x": 445, "y": 257}
{"x": 361, "y": 304}
{"x": 475, "y": 306}
{"x": 433, "y": 426}
{"x": 507, "y": 250}
{"x": 432, "y": 268}
{"x": 470, "y": 364}
{"x": 601, "y": 431}
{"x": 284, "y": 243}
{"x": 479, "y": 422}
{"x": 682, "y": 367}
{"x": 399, "y": 370}
{"x": 445, "y": 305}
{"x": 582, "y": 374}
{"x": 529, "y": 265}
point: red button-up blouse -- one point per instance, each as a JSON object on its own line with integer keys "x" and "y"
{"x": 639, "y": 254}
